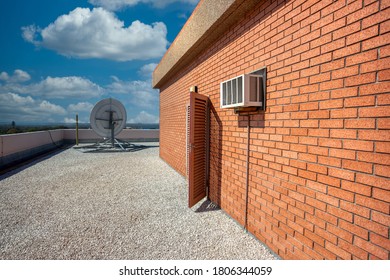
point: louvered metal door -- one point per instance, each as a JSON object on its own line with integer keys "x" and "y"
{"x": 198, "y": 148}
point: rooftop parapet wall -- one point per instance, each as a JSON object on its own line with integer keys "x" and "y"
{"x": 18, "y": 147}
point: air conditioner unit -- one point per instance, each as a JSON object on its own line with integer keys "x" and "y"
{"x": 243, "y": 91}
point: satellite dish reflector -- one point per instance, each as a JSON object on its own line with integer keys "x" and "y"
{"x": 108, "y": 117}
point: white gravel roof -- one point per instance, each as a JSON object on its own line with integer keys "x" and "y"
{"x": 75, "y": 205}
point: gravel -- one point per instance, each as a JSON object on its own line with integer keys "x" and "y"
{"x": 74, "y": 205}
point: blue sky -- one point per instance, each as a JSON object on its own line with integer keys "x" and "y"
{"x": 59, "y": 58}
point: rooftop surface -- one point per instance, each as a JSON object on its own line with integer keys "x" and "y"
{"x": 74, "y": 205}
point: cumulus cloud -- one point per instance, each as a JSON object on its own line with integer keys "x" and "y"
{"x": 141, "y": 93}
{"x": 80, "y": 107}
{"x": 144, "y": 117}
{"x": 52, "y": 87}
{"x": 147, "y": 70}
{"x": 98, "y": 33}
{"x": 19, "y": 76}
{"x": 115, "y": 5}
{"x": 25, "y": 108}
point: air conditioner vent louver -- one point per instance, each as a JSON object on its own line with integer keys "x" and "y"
{"x": 242, "y": 91}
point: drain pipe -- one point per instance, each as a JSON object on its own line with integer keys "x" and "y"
{"x": 247, "y": 174}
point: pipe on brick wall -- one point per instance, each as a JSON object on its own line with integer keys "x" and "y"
{"x": 247, "y": 173}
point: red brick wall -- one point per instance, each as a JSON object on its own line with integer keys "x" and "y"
{"x": 320, "y": 154}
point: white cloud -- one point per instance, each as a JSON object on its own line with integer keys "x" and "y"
{"x": 115, "y": 5}
{"x": 147, "y": 70}
{"x": 141, "y": 93}
{"x": 57, "y": 87}
{"x": 144, "y": 117}
{"x": 80, "y": 107}
{"x": 25, "y": 108}
{"x": 98, "y": 33}
{"x": 19, "y": 76}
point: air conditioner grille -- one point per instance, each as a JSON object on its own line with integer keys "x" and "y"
{"x": 242, "y": 91}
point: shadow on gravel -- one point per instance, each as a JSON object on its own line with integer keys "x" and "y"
{"x": 98, "y": 148}
{"x": 207, "y": 206}
{"x": 19, "y": 166}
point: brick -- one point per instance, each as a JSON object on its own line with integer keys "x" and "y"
{"x": 360, "y": 123}
{"x": 361, "y": 57}
{"x": 354, "y": 250}
{"x": 384, "y": 27}
{"x": 331, "y": 123}
{"x": 363, "y": 35}
{"x": 372, "y": 203}
{"x": 307, "y": 174}
{"x": 376, "y": 42}
{"x": 371, "y": 226}
{"x": 383, "y": 99}
{"x": 371, "y": 248}
{"x": 381, "y": 218}
{"x": 358, "y": 166}
{"x": 360, "y": 79}
{"x": 345, "y": 72}
{"x": 342, "y": 174}
{"x": 346, "y": 9}
{"x": 320, "y": 78}
{"x": 321, "y": 59}
{"x": 382, "y": 147}
{"x": 339, "y": 193}
{"x": 347, "y": 51}
{"x": 340, "y": 153}
{"x": 328, "y": 180}
{"x": 360, "y": 14}
{"x": 308, "y": 123}
{"x": 358, "y": 145}
{"x": 335, "y": 143}
{"x": 376, "y": 18}
{"x": 376, "y": 88}
{"x": 343, "y": 234}
{"x": 360, "y": 101}
{"x": 382, "y": 170}
{"x": 347, "y": 30}
{"x": 318, "y": 132}
{"x": 335, "y": 25}
{"x": 383, "y": 123}
{"x": 373, "y": 181}
{"x": 338, "y": 251}
{"x": 379, "y": 135}
{"x": 323, "y": 151}
{"x": 356, "y": 230}
{"x": 320, "y": 114}
{"x": 355, "y": 209}
{"x": 374, "y": 112}
{"x": 329, "y": 237}
{"x": 356, "y": 188}
{"x": 380, "y": 241}
{"x": 331, "y": 161}
{"x": 375, "y": 65}
{"x": 374, "y": 158}
{"x": 333, "y": 65}
{"x": 384, "y": 75}
{"x": 344, "y": 113}
{"x": 331, "y": 104}
{"x": 381, "y": 194}
{"x": 339, "y": 213}
{"x": 334, "y": 45}
{"x": 325, "y": 253}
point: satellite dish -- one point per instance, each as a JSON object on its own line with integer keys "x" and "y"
{"x": 108, "y": 118}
